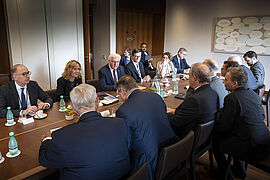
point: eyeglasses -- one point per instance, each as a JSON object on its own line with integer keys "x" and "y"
{"x": 115, "y": 62}
{"x": 137, "y": 56}
{"x": 25, "y": 73}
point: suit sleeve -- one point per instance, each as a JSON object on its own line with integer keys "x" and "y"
{"x": 258, "y": 74}
{"x": 44, "y": 97}
{"x": 50, "y": 155}
{"x": 227, "y": 117}
{"x": 102, "y": 82}
{"x": 3, "y": 105}
{"x": 185, "y": 113}
{"x": 123, "y": 116}
{"x": 60, "y": 89}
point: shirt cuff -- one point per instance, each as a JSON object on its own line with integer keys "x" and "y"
{"x": 47, "y": 138}
{"x": 48, "y": 105}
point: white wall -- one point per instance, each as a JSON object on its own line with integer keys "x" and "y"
{"x": 44, "y": 35}
{"x": 190, "y": 24}
{"x": 104, "y": 32}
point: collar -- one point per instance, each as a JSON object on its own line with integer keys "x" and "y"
{"x": 86, "y": 112}
{"x": 111, "y": 68}
{"x": 133, "y": 93}
{"x": 201, "y": 86}
{"x": 136, "y": 63}
{"x": 18, "y": 87}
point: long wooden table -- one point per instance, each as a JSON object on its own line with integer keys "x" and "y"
{"x": 29, "y": 136}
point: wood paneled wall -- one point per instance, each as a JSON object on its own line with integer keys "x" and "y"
{"x": 136, "y": 25}
{"x": 4, "y": 57}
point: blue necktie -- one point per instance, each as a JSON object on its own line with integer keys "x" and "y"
{"x": 23, "y": 102}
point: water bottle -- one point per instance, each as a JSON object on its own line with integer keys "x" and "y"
{"x": 173, "y": 76}
{"x": 175, "y": 88}
{"x": 10, "y": 117}
{"x": 161, "y": 93}
{"x": 62, "y": 103}
{"x": 157, "y": 85}
{"x": 12, "y": 144}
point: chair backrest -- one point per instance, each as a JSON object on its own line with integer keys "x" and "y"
{"x": 260, "y": 91}
{"x": 4, "y": 78}
{"x": 173, "y": 156}
{"x": 52, "y": 94}
{"x": 95, "y": 83}
{"x": 202, "y": 134}
{"x": 140, "y": 174}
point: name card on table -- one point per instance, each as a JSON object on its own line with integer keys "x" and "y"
{"x": 27, "y": 121}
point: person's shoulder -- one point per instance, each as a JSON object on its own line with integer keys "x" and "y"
{"x": 61, "y": 79}
{"x": 104, "y": 68}
{"x": 129, "y": 65}
{"x": 7, "y": 85}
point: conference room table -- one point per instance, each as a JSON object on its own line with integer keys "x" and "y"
{"x": 29, "y": 136}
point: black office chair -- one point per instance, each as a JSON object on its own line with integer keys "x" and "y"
{"x": 172, "y": 159}
{"x": 140, "y": 174}
{"x": 95, "y": 83}
{"x": 4, "y": 78}
{"x": 52, "y": 94}
{"x": 260, "y": 91}
{"x": 202, "y": 144}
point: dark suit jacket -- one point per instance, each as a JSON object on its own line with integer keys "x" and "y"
{"x": 131, "y": 70}
{"x": 9, "y": 97}
{"x": 242, "y": 119}
{"x": 251, "y": 83}
{"x": 64, "y": 87}
{"x": 258, "y": 72}
{"x": 145, "y": 115}
{"x": 124, "y": 61}
{"x": 93, "y": 148}
{"x": 182, "y": 66}
{"x": 105, "y": 77}
{"x": 144, "y": 59}
{"x": 198, "y": 108}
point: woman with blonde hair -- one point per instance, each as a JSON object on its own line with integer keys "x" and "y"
{"x": 71, "y": 77}
{"x": 165, "y": 67}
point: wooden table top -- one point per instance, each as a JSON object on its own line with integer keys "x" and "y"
{"x": 29, "y": 136}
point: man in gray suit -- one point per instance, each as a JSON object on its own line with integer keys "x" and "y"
{"x": 215, "y": 83}
{"x": 255, "y": 66}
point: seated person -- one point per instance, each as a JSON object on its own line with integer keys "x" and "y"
{"x": 71, "y": 77}
{"x": 126, "y": 58}
{"x": 165, "y": 67}
{"x": 135, "y": 68}
{"x": 22, "y": 95}
{"x": 95, "y": 147}
{"x": 251, "y": 83}
{"x": 145, "y": 115}
{"x": 198, "y": 108}
{"x": 179, "y": 61}
{"x": 146, "y": 60}
{"x": 256, "y": 67}
{"x": 109, "y": 74}
{"x": 240, "y": 128}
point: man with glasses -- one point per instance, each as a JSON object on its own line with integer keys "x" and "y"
{"x": 22, "y": 95}
{"x": 146, "y": 59}
{"x": 135, "y": 68}
{"x": 179, "y": 61}
{"x": 109, "y": 74}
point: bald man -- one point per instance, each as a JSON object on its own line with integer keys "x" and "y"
{"x": 215, "y": 83}
{"x": 198, "y": 108}
{"x": 22, "y": 94}
{"x": 251, "y": 83}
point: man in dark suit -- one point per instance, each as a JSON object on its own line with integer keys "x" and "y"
{"x": 200, "y": 107}
{"x": 135, "y": 68}
{"x": 22, "y": 95}
{"x": 179, "y": 61}
{"x": 95, "y": 147}
{"x": 215, "y": 83}
{"x": 109, "y": 74}
{"x": 256, "y": 67}
{"x": 240, "y": 128}
{"x": 146, "y": 59}
{"x": 145, "y": 115}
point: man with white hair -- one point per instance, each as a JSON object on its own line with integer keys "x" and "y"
{"x": 251, "y": 83}
{"x": 95, "y": 147}
{"x": 109, "y": 74}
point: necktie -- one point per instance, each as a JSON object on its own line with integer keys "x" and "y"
{"x": 138, "y": 70}
{"x": 23, "y": 101}
{"x": 114, "y": 76}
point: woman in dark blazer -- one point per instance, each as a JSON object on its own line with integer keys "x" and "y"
{"x": 71, "y": 77}
{"x": 126, "y": 58}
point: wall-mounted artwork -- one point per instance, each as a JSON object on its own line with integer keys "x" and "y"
{"x": 242, "y": 34}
